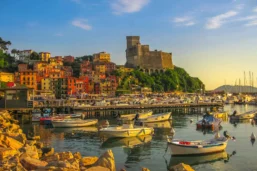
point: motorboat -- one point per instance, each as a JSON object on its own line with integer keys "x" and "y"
{"x": 36, "y": 115}
{"x": 208, "y": 121}
{"x": 129, "y": 142}
{"x": 242, "y": 116}
{"x": 156, "y": 118}
{"x": 199, "y": 147}
{"x": 75, "y": 115}
{"x": 141, "y": 115}
{"x": 163, "y": 124}
{"x": 71, "y": 123}
{"x": 126, "y": 130}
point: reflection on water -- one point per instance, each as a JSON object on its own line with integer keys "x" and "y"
{"x": 133, "y": 153}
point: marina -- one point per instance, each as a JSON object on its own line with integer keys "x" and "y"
{"x": 148, "y": 150}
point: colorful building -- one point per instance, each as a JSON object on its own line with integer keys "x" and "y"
{"x": 46, "y": 84}
{"x": 22, "y": 67}
{"x": 79, "y": 86}
{"x": 6, "y": 77}
{"x": 85, "y": 68}
{"x": 29, "y": 78}
{"x": 44, "y": 56}
{"x": 102, "y": 57}
{"x": 71, "y": 85}
{"x": 100, "y": 67}
{"x": 25, "y": 54}
{"x": 97, "y": 89}
{"x": 69, "y": 59}
{"x": 109, "y": 67}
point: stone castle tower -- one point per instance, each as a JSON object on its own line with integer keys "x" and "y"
{"x": 140, "y": 56}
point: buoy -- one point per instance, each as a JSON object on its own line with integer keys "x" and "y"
{"x": 172, "y": 131}
{"x": 253, "y": 137}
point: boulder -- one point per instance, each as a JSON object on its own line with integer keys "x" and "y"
{"x": 54, "y": 157}
{"x": 145, "y": 169}
{"x": 47, "y": 151}
{"x": 88, "y": 161}
{"x": 34, "y": 137}
{"x": 181, "y": 167}
{"x": 31, "y": 151}
{"x": 10, "y": 142}
{"x": 65, "y": 155}
{"x": 77, "y": 155}
{"x": 31, "y": 163}
{"x": 39, "y": 144}
{"x": 30, "y": 142}
{"x": 97, "y": 168}
{"x": 7, "y": 152}
{"x": 106, "y": 160}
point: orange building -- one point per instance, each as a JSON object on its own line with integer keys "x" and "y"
{"x": 85, "y": 80}
{"x": 72, "y": 85}
{"x": 79, "y": 86}
{"x": 29, "y": 78}
{"x": 69, "y": 59}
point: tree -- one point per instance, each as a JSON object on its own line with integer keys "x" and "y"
{"x": 15, "y": 52}
{"x": 4, "y": 44}
{"x": 34, "y": 56}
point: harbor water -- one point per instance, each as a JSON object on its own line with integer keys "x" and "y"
{"x": 150, "y": 151}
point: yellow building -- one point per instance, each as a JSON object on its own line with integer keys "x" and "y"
{"x": 102, "y": 57}
{"x": 29, "y": 78}
{"x": 107, "y": 88}
{"x": 6, "y": 77}
{"x": 55, "y": 62}
{"x": 44, "y": 56}
{"x": 46, "y": 84}
{"x": 100, "y": 68}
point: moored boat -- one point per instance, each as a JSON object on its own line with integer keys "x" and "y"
{"x": 156, "y": 118}
{"x": 199, "y": 147}
{"x": 70, "y": 123}
{"x": 126, "y": 130}
{"x": 208, "y": 121}
{"x": 242, "y": 116}
{"x": 141, "y": 115}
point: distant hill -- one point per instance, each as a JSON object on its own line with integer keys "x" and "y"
{"x": 236, "y": 89}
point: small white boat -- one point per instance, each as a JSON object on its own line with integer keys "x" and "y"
{"x": 75, "y": 115}
{"x": 141, "y": 115}
{"x": 70, "y": 123}
{"x": 126, "y": 130}
{"x": 246, "y": 115}
{"x": 157, "y": 118}
{"x": 182, "y": 147}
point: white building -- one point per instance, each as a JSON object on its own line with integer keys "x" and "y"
{"x": 25, "y": 54}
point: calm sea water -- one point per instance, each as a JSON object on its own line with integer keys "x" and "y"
{"x": 149, "y": 151}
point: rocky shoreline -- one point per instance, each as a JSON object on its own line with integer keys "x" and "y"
{"x": 21, "y": 153}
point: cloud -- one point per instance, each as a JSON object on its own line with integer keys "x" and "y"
{"x": 251, "y": 23}
{"x": 247, "y": 18}
{"x": 127, "y": 6}
{"x": 219, "y": 20}
{"x": 184, "y": 21}
{"x": 58, "y": 34}
{"x": 81, "y": 23}
{"x": 255, "y": 9}
{"x": 240, "y": 6}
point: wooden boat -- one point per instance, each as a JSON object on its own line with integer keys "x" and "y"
{"x": 141, "y": 115}
{"x": 126, "y": 130}
{"x": 129, "y": 142}
{"x": 209, "y": 122}
{"x": 242, "y": 116}
{"x": 200, "y": 147}
{"x": 156, "y": 118}
{"x": 70, "y": 123}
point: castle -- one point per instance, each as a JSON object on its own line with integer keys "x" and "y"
{"x": 150, "y": 61}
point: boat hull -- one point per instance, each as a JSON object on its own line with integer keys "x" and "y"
{"x": 73, "y": 123}
{"x": 179, "y": 150}
{"x": 126, "y": 133}
{"x": 157, "y": 118}
{"x": 132, "y": 116}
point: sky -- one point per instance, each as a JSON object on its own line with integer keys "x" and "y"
{"x": 215, "y": 40}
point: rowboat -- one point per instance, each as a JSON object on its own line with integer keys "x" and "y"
{"x": 156, "y": 118}
{"x": 70, "y": 123}
{"x": 126, "y": 130}
{"x": 246, "y": 115}
{"x": 200, "y": 147}
{"x": 129, "y": 142}
{"x": 141, "y": 115}
{"x": 209, "y": 122}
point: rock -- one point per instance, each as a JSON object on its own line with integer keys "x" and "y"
{"x": 88, "y": 161}
{"x": 31, "y": 163}
{"x": 47, "y": 151}
{"x": 10, "y": 142}
{"x": 7, "y": 152}
{"x": 145, "y": 169}
{"x": 54, "y": 157}
{"x": 98, "y": 168}
{"x": 122, "y": 169}
{"x": 64, "y": 164}
{"x": 19, "y": 137}
{"x": 31, "y": 151}
{"x": 181, "y": 167}
{"x": 14, "y": 128}
{"x": 34, "y": 137}
{"x": 77, "y": 155}
{"x": 74, "y": 163}
{"x": 39, "y": 144}
{"x": 30, "y": 142}
{"x": 106, "y": 160}
{"x": 65, "y": 155}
